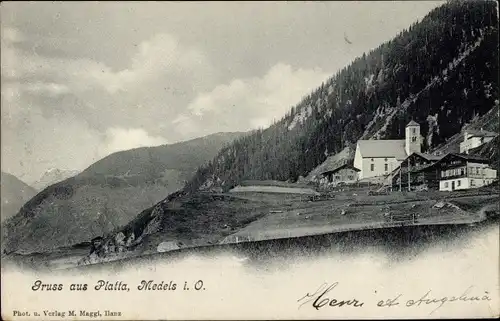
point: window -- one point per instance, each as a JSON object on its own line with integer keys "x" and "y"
{"x": 462, "y": 171}
{"x": 413, "y": 130}
{"x": 472, "y": 182}
{"x": 414, "y": 139}
{"x": 446, "y": 184}
{"x": 337, "y": 177}
{"x": 458, "y": 183}
{"x": 386, "y": 167}
{"x": 350, "y": 177}
{"x": 372, "y": 167}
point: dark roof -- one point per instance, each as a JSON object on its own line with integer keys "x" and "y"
{"x": 413, "y": 169}
{"x": 466, "y": 157}
{"x": 429, "y": 166}
{"x": 469, "y": 157}
{"x": 423, "y": 168}
{"x": 412, "y": 123}
{"x": 347, "y": 165}
{"x": 382, "y": 148}
{"x": 429, "y": 157}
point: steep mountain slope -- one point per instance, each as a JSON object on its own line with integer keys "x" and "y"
{"x": 442, "y": 72}
{"x": 107, "y": 195}
{"x": 14, "y": 194}
{"x": 53, "y": 176}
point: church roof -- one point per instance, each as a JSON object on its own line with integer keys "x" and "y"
{"x": 412, "y": 123}
{"x": 382, "y": 148}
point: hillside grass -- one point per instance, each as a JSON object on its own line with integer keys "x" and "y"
{"x": 207, "y": 218}
{"x": 83, "y": 213}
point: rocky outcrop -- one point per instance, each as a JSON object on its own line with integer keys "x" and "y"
{"x": 110, "y": 249}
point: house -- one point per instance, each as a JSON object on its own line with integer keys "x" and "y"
{"x": 419, "y": 170}
{"x": 381, "y": 157}
{"x": 345, "y": 173}
{"x": 461, "y": 171}
{"x": 475, "y": 138}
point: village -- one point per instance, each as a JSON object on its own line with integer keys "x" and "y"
{"x": 390, "y": 183}
{"x": 400, "y": 164}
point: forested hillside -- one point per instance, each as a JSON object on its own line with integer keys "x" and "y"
{"x": 441, "y": 72}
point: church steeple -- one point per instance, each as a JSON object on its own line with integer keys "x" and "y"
{"x": 412, "y": 138}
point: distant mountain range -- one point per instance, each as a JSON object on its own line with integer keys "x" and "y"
{"x": 14, "y": 194}
{"x": 53, "y": 176}
{"x": 107, "y": 195}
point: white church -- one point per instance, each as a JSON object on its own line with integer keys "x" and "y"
{"x": 380, "y": 157}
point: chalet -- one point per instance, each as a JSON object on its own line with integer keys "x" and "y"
{"x": 419, "y": 170}
{"x": 475, "y": 138}
{"x": 345, "y": 173}
{"x": 460, "y": 171}
{"x": 381, "y": 157}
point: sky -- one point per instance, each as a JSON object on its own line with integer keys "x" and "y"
{"x": 81, "y": 80}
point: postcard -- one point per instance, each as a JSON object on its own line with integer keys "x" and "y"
{"x": 249, "y": 160}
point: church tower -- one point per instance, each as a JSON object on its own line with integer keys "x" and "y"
{"x": 412, "y": 138}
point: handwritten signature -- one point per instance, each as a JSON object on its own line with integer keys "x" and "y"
{"x": 322, "y": 297}
{"x": 319, "y": 298}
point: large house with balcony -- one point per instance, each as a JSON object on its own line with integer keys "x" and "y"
{"x": 381, "y": 157}
{"x": 475, "y": 138}
{"x": 459, "y": 171}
